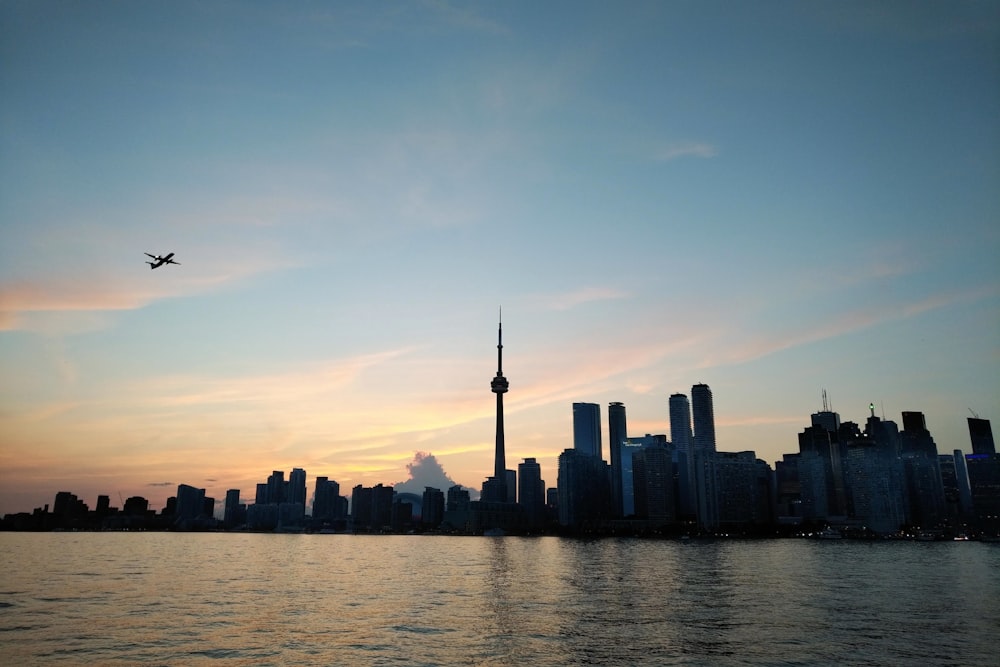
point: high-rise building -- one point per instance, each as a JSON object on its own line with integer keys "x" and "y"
{"x": 984, "y": 478}
{"x": 703, "y": 417}
{"x": 231, "y": 513}
{"x": 744, "y": 483}
{"x": 587, "y": 429}
{"x": 981, "y": 435}
{"x": 297, "y": 486}
{"x": 326, "y": 500}
{"x": 703, "y": 457}
{"x": 617, "y": 435}
{"x": 276, "y": 487}
{"x": 652, "y": 474}
{"x": 190, "y": 505}
{"x": 922, "y": 468}
{"x": 432, "y": 507}
{"x": 531, "y": 493}
{"x": 499, "y": 387}
{"x": 584, "y": 490}
{"x": 680, "y": 437}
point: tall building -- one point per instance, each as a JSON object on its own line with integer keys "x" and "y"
{"x": 297, "y": 486}
{"x": 432, "y": 507}
{"x": 981, "y": 435}
{"x": 617, "y": 435}
{"x": 680, "y": 437}
{"x": 531, "y": 493}
{"x": 653, "y": 477}
{"x": 584, "y": 490}
{"x": 276, "y": 487}
{"x": 630, "y": 449}
{"x": 984, "y": 478}
{"x": 922, "y": 468}
{"x": 744, "y": 490}
{"x": 703, "y": 457}
{"x": 231, "y": 516}
{"x": 587, "y": 428}
{"x": 326, "y": 500}
{"x": 703, "y": 417}
{"x": 498, "y": 489}
{"x": 190, "y": 505}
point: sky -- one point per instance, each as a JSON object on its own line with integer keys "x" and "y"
{"x": 771, "y": 198}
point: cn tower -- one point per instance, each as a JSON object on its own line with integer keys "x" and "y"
{"x": 499, "y": 386}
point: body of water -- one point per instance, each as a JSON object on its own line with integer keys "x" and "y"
{"x": 258, "y": 599}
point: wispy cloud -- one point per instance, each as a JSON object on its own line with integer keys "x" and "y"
{"x": 845, "y": 323}
{"x": 569, "y": 300}
{"x": 689, "y": 149}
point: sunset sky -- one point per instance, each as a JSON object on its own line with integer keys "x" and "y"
{"x": 772, "y": 198}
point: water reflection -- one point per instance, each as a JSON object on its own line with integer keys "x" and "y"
{"x": 380, "y": 600}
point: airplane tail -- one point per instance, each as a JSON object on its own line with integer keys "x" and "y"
{"x": 151, "y": 265}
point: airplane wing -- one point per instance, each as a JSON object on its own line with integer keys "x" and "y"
{"x": 148, "y": 255}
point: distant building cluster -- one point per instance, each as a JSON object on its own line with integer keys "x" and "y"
{"x": 844, "y": 480}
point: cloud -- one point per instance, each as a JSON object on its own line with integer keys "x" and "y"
{"x": 690, "y": 149}
{"x": 845, "y": 323}
{"x": 425, "y": 470}
{"x": 161, "y": 484}
{"x": 569, "y": 300}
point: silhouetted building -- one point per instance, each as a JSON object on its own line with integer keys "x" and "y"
{"x": 457, "y": 510}
{"x": 233, "y": 513}
{"x": 135, "y": 506}
{"x": 587, "y": 428}
{"x": 297, "y": 488}
{"x": 531, "y": 493}
{"x": 875, "y": 477}
{"x": 981, "y": 435}
{"x": 788, "y": 490}
{"x": 276, "y": 487}
{"x": 744, "y": 484}
{"x": 703, "y": 457}
{"x": 984, "y": 478}
{"x": 191, "y": 508}
{"x": 653, "y": 484}
{"x": 924, "y": 490}
{"x": 499, "y": 386}
{"x": 371, "y": 508}
{"x": 680, "y": 437}
{"x": 823, "y": 470}
{"x": 584, "y": 485}
{"x": 617, "y": 435}
{"x": 432, "y": 507}
{"x": 957, "y": 492}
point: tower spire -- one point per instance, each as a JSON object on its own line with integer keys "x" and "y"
{"x": 499, "y": 387}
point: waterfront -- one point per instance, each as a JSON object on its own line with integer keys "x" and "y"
{"x": 262, "y": 599}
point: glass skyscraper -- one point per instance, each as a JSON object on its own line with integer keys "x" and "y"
{"x": 587, "y": 428}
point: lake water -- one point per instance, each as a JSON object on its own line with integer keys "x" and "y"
{"x": 258, "y": 599}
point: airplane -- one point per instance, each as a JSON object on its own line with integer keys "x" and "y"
{"x": 160, "y": 261}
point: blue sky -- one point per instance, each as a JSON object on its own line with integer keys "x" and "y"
{"x": 771, "y": 198}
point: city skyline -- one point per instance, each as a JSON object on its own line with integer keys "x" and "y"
{"x": 426, "y": 472}
{"x": 769, "y": 200}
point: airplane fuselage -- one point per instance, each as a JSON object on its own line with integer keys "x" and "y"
{"x": 159, "y": 261}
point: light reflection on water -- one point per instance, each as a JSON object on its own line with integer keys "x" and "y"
{"x": 249, "y": 599}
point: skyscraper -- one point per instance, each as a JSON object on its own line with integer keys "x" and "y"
{"x": 499, "y": 387}
{"x": 617, "y": 435}
{"x": 680, "y": 422}
{"x": 680, "y": 436}
{"x": 704, "y": 418}
{"x": 587, "y": 428}
{"x": 981, "y": 435}
{"x": 703, "y": 456}
{"x": 531, "y": 493}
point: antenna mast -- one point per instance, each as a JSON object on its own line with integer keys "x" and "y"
{"x": 826, "y": 406}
